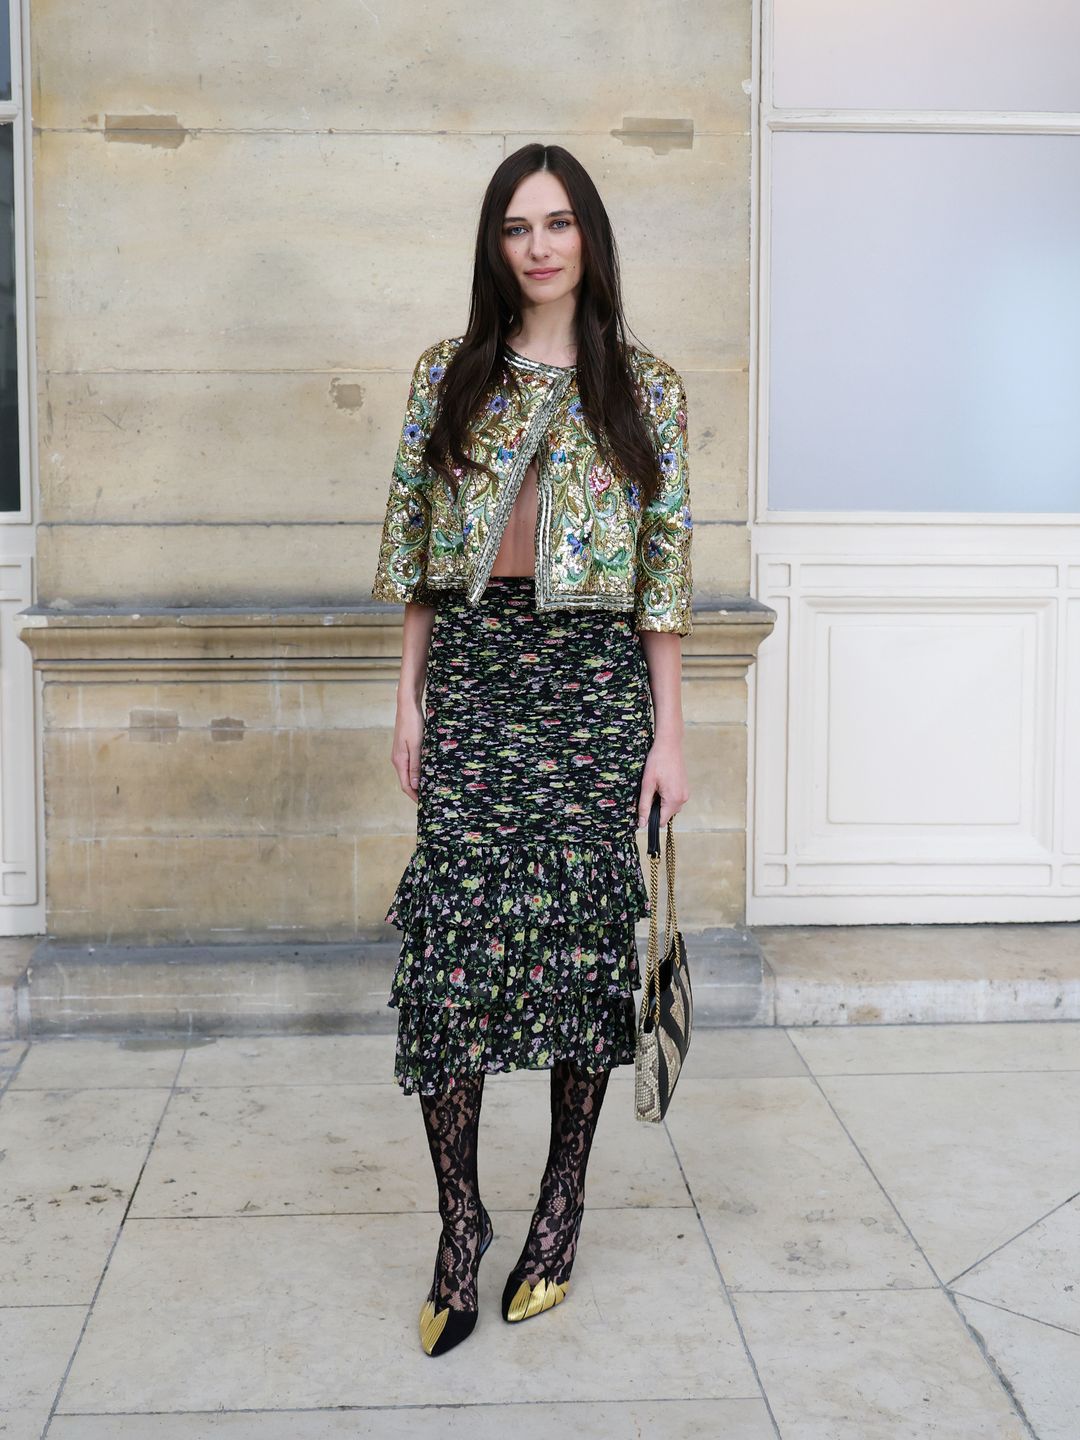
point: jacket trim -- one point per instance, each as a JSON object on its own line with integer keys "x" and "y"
{"x": 574, "y": 599}
{"x": 523, "y": 362}
{"x": 526, "y": 449}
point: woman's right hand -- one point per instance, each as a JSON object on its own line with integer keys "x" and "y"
{"x": 405, "y": 754}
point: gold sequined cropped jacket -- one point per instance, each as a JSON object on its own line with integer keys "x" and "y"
{"x": 595, "y": 546}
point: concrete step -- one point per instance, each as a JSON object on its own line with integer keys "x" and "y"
{"x": 774, "y": 975}
{"x": 921, "y": 974}
{"x": 15, "y": 953}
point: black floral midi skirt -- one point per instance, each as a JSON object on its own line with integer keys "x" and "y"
{"x": 519, "y": 903}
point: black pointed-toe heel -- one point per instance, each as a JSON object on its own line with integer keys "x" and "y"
{"x": 521, "y": 1301}
{"x": 442, "y": 1329}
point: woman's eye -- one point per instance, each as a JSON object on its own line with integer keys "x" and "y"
{"x": 512, "y": 229}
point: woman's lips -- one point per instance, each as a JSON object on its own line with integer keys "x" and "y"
{"x": 542, "y": 274}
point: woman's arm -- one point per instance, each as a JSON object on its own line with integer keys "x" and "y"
{"x": 409, "y": 722}
{"x": 665, "y": 767}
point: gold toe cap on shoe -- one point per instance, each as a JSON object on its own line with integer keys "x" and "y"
{"x": 531, "y": 1299}
{"x": 432, "y": 1324}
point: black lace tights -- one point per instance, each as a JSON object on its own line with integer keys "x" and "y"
{"x": 452, "y": 1120}
{"x": 551, "y": 1244}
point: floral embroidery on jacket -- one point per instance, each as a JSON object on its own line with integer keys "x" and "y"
{"x": 596, "y": 548}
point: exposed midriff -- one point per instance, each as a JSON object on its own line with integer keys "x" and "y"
{"x": 517, "y": 549}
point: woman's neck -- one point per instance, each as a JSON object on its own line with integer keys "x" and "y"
{"x": 553, "y": 343}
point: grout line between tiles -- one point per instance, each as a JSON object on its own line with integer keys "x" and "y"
{"x": 968, "y": 1070}
{"x": 112, "y": 1250}
{"x": 14, "y": 1069}
{"x": 1020, "y": 1314}
{"x": 833, "y": 1289}
{"x": 988, "y": 1359}
{"x": 389, "y": 1214}
{"x": 1038, "y": 1221}
{"x": 415, "y": 1405}
{"x": 45, "y": 1305}
{"x": 723, "y": 1284}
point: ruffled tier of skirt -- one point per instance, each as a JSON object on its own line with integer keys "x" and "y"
{"x": 515, "y": 956}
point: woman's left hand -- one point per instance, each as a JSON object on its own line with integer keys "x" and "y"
{"x": 665, "y": 770}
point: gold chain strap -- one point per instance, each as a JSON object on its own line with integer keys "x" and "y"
{"x": 672, "y": 914}
{"x": 671, "y": 924}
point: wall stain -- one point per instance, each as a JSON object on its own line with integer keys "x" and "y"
{"x": 163, "y": 131}
{"x": 659, "y": 133}
{"x": 347, "y": 394}
{"x": 226, "y": 727}
{"x": 155, "y": 726}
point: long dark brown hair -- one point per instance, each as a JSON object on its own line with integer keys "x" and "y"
{"x": 606, "y": 385}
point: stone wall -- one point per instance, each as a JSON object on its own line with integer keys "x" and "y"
{"x": 245, "y": 233}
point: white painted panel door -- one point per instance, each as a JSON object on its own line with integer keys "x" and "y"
{"x": 22, "y": 910}
{"x": 915, "y": 730}
{"x": 22, "y": 901}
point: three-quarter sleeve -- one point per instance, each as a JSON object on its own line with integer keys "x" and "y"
{"x": 403, "y": 548}
{"x": 664, "y": 585}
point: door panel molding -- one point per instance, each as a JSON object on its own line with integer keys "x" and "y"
{"x": 915, "y": 716}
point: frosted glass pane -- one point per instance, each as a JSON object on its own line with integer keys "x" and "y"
{"x": 923, "y": 55}
{"x": 924, "y": 328}
{"x": 10, "y": 325}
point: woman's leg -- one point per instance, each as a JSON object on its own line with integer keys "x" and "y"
{"x": 576, "y": 1098}
{"x": 451, "y": 1121}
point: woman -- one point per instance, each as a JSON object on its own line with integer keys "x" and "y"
{"x": 538, "y": 533}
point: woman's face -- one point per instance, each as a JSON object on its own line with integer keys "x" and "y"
{"x": 541, "y": 239}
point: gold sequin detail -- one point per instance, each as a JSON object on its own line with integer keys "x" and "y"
{"x": 595, "y": 547}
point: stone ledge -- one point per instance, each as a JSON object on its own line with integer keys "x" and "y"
{"x": 99, "y": 642}
{"x": 918, "y": 974}
{"x": 275, "y": 987}
{"x": 877, "y": 975}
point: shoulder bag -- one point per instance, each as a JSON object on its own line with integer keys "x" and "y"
{"x": 666, "y": 1017}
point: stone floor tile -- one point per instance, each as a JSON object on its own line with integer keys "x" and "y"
{"x": 728, "y": 1053}
{"x": 314, "y": 1060}
{"x": 631, "y": 1163}
{"x": 70, "y": 1162}
{"x": 968, "y": 1160}
{"x": 15, "y": 952}
{"x": 276, "y": 1149}
{"x": 874, "y": 1365}
{"x": 11, "y": 1053}
{"x": 281, "y": 1149}
{"x": 896, "y": 1049}
{"x": 322, "y": 1310}
{"x": 1037, "y": 1274}
{"x": 1039, "y": 1363}
{"x": 288, "y": 1060}
{"x": 533, "y": 1420}
{"x": 36, "y": 1342}
{"x": 79, "y": 1063}
{"x": 785, "y": 1197}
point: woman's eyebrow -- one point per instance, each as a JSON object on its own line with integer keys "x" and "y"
{"x": 520, "y": 219}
